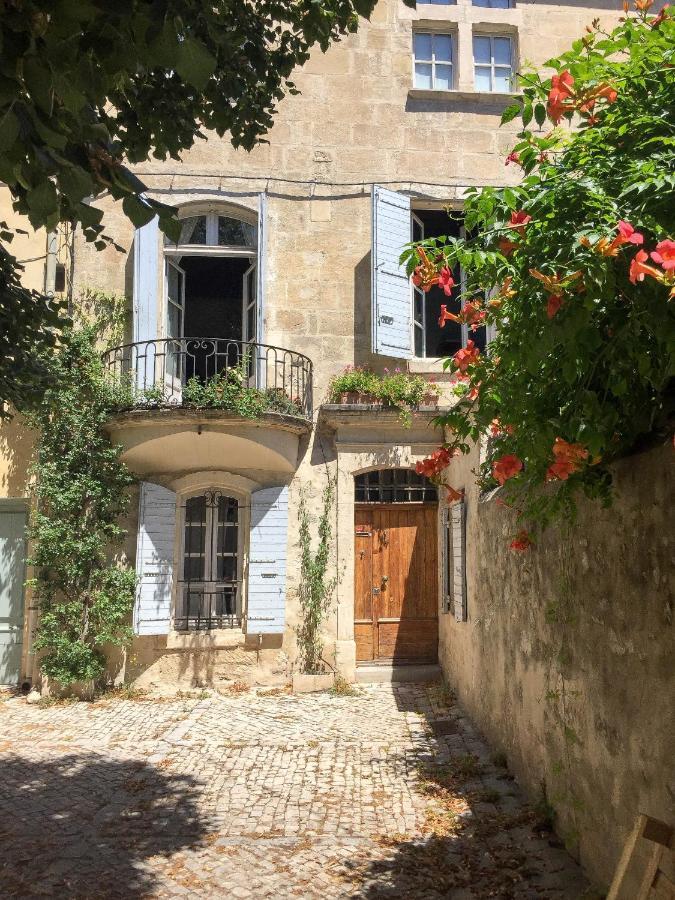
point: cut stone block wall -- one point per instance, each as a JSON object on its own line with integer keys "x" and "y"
{"x": 566, "y": 662}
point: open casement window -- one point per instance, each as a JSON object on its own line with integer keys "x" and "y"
{"x": 390, "y": 293}
{"x": 266, "y": 605}
{"x": 174, "y": 279}
{"x": 154, "y": 559}
{"x": 220, "y": 259}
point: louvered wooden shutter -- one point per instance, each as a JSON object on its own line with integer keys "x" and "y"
{"x": 458, "y": 525}
{"x": 154, "y": 559}
{"x": 266, "y": 610}
{"x": 146, "y": 281}
{"x": 391, "y": 303}
{"x": 261, "y": 270}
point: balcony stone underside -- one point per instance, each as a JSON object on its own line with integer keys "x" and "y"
{"x": 168, "y": 441}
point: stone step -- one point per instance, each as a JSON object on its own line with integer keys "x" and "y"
{"x": 379, "y": 674}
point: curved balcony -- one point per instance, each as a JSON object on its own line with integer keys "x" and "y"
{"x": 193, "y": 404}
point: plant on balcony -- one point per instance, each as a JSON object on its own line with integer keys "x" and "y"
{"x": 578, "y": 264}
{"x": 84, "y": 594}
{"x": 402, "y": 390}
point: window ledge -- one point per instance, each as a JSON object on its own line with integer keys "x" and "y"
{"x": 486, "y": 97}
{"x": 218, "y": 638}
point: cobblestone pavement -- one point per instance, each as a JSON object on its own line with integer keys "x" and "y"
{"x": 387, "y": 793}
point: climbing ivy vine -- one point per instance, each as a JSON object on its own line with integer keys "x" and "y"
{"x": 316, "y": 588}
{"x": 84, "y": 592}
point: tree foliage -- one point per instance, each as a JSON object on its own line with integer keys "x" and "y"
{"x": 88, "y": 87}
{"x": 575, "y": 267}
{"x": 83, "y": 594}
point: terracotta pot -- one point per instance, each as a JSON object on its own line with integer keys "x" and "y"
{"x": 430, "y": 400}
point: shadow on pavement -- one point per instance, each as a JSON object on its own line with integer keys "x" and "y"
{"x": 83, "y": 826}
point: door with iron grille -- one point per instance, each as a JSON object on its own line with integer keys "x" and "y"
{"x": 208, "y": 591}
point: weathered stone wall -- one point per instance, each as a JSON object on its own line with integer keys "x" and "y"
{"x": 566, "y": 661}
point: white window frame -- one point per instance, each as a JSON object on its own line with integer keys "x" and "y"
{"x": 243, "y": 525}
{"x": 492, "y": 66}
{"x": 452, "y": 63}
{"x": 174, "y": 252}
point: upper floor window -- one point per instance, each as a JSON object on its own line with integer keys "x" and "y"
{"x": 213, "y": 230}
{"x": 433, "y": 61}
{"x": 430, "y": 339}
{"x": 493, "y": 63}
{"x": 493, "y": 4}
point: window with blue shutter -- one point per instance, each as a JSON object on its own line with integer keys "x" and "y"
{"x": 155, "y": 559}
{"x": 391, "y": 305}
{"x": 266, "y": 606}
{"x": 458, "y": 528}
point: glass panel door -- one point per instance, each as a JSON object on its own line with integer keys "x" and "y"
{"x": 174, "y": 358}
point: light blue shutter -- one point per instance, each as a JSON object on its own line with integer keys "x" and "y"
{"x": 262, "y": 253}
{"x": 391, "y": 304}
{"x": 458, "y": 525}
{"x": 154, "y": 559}
{"x": 12, "y": 574}
{"x": 267, "y": 561}
{"x": 146, "y": 281}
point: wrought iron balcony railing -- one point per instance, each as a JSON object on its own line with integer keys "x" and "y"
{"x": 210, "y": 373}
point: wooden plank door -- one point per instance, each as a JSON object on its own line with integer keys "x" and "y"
{"x": 396, "y": 583}
{"x": 12, "y": 576}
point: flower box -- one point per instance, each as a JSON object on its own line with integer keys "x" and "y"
{"x": 355, "y": 398}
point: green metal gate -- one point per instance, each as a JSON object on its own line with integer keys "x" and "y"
{"x": 12, "y": 576}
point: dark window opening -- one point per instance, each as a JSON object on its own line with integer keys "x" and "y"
{"x": 214, "y": 289}
{"x": 430, "y": 339}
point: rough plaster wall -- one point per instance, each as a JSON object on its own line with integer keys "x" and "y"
{"x": 577, "y": 635}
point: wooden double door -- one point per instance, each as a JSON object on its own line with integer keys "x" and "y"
{"x": 396, "y": 582}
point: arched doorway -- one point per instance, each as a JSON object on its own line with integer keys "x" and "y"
{"x": 396, "y": 567}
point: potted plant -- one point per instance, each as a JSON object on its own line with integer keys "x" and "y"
{"x": 357, "y": 384}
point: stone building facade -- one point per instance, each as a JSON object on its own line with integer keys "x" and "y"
{"x": 292, "y": 249}
{"x": 295, "y": 245}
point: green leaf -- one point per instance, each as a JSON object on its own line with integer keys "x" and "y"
{"x": 540, "y": 114}
{"x": 527, "y": 114}
{"x": 42, "y": 202}
{"x": 38, "y": 79}
{"x": 194, "y": 63}
{"x": 510, "y": 113}
{"x": 9, "y": 130}
{"x": 139, "y": 213}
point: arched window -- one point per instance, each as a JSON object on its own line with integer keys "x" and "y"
{"x": 208, "y": 591}
{"x": 215, "y": 230}
{"x": 211, "y": 278}
{"x": 394, "y": 486}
